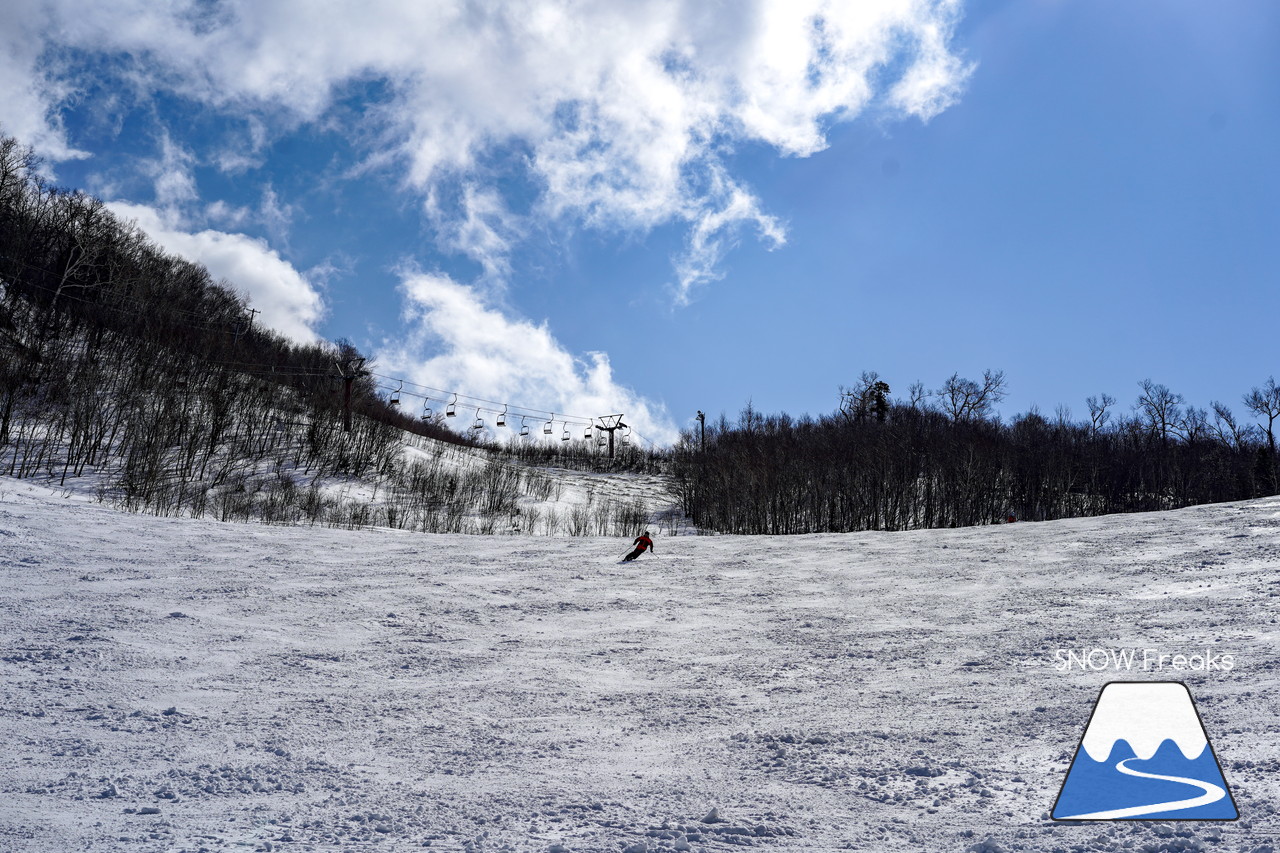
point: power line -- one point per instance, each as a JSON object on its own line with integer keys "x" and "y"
{"x": 115, "y": 295}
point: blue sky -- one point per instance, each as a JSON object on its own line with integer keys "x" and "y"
{"x": 658, "y": 208}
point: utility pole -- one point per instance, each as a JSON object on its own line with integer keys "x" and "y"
{"x": 239, "y": 328}
{"x": 349, "y": 374}
{"x": 609, "y": 423}
{"x": 702, "y": 428}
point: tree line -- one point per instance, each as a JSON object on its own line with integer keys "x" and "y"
{"x": 943, "y": 458}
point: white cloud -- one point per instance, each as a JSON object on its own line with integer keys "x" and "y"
{"x": 933, "y": 83}
{"x": 276, "y": 216}
{"x": 288, "y": 302}
{"x": 475, "y": 346}
{"x": 29, "y": 95}
{"x": 625, "y": 110}
{"x": 221, "y": 213}
{"x": 171, "y": 174}
{"x": 714, "y": 230}
{"x": 480, "y": 226}
{"x": 246, "y": 151}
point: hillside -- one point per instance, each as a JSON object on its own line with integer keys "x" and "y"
{"x": 133, "y": 375}
{"x": 175, "y": 684}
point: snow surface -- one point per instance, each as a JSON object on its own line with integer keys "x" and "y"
{"x": 174, "y": 684}
{"x": 1144, "y": 715}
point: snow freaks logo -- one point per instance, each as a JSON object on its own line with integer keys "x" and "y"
{"x": 1144, "y": 755}
{"x": 1144, "y": 660}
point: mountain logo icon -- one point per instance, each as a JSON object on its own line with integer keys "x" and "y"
{"x": 1145, "y": 756}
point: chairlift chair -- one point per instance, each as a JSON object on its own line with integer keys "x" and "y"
{"x": 565, "y": 437}
{"x": 450, "y": 410}
{"x": 426, "y": 408}
{"x": 502, "y": 417}
{"x": 524, "y": 429}
{"x": 587, "y": 433}
{"x": 395, "y": 395}
{"x": 546, "y": 428}
{"x": 626, "y": 437}
{"x": 479, "y": 424}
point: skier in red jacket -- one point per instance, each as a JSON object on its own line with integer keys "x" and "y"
{"x": 642, "y": 542}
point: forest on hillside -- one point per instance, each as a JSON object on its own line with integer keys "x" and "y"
{"x": 131, "y": 365}
{"x": 943, "y": 458}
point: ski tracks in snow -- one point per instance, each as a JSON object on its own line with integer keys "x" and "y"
{"x": 884, "y": 691}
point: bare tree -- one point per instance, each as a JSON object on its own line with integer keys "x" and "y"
{"x": 1265, "y": 403}
{"x": 965, "y": 399}
{"x": 1227, "y": 429}
{"x": 1194, "y": 424}
{"x": 1098, "y": 414}
{"x": 917, "y": 395}
{"x": 85, "y": 231}
{"x": 16, "y": 162}
{"x": 1159, "y": 408}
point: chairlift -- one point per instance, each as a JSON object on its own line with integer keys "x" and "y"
{"x": 479, "y": 424}
{"x": 524, "y": 428}
{"x": 395, "y": 395}
{"x": 626, "y": 437}
{"x": 565, "y": 437}
{"x": 502, "y": 417}
{"x": 426, "y": 408}
{"x": 546, "y": 428}
{"x": 587, "y": 433}
{"x": 601, "y": 441}
{"x": 450, "y": 410}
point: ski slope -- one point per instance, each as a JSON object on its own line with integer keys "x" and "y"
{"x": 177, "y": 684}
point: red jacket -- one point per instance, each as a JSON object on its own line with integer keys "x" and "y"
{"x": 643, "y": 542}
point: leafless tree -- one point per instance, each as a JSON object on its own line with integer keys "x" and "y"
{"x": 964, "y": 399}
{"x": 1099, "y": 412}
{"x": 1265, "y": 403}
{"x": 1227, "y": 429}
{"x": 1159, "y": 408}
{"x": 917, "y": 395}
{"x": 1194, "y": 424}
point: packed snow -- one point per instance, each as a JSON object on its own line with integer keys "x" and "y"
{"x": 187, "y": 685}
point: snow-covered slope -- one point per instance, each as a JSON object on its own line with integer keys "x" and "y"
{"x": 427, "y": 485}
{"x": 564, "y": 490}
{"x": 169, "y": 684}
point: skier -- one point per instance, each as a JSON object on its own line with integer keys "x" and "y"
{"x": 642, "y": 542}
